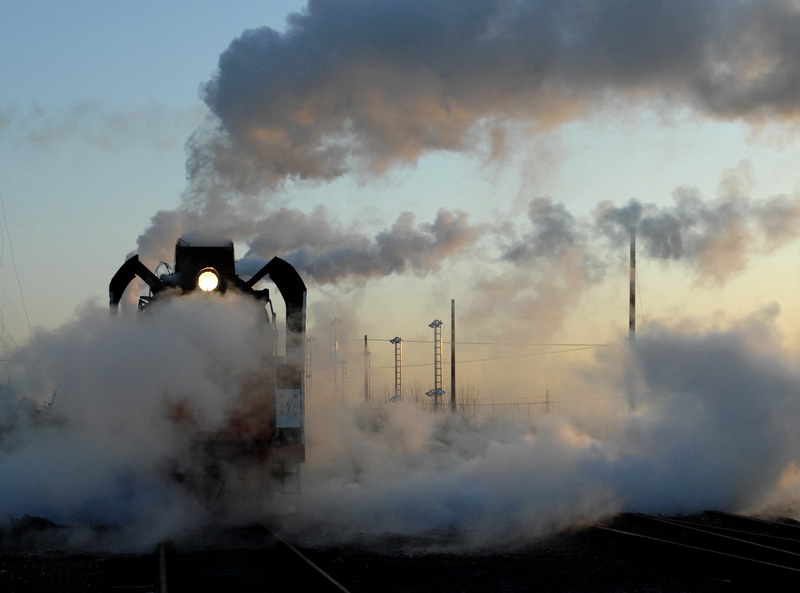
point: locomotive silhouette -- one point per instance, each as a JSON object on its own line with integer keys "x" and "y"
{"x": 266, "y": 429}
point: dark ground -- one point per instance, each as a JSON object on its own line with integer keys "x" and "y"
{"x": 32, "y": 560}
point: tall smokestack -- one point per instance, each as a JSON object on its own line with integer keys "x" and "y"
{"x": 453, "y": 355}
{"x": 366, "y": 369}
{"x": 632, "y": 308}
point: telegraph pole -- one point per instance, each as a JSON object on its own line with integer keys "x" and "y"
{"x": 632, "y": 305}
{"x": 452, "y": 355}
{"x": 366, "y": 370}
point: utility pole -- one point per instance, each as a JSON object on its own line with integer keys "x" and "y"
{"x": 343, "y": 390}
{"x": 632, "y": 306}
{"x": 366, "y": 370}
{"x": 452, "y": 355}
{"x": 334, "y": 357}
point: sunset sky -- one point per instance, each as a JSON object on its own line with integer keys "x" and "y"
{"x": 403, "y": 154}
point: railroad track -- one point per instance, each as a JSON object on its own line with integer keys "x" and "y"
{"x": 245, "y": 559}
{"x": 722, "y": 541}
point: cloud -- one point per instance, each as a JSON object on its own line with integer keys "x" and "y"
{"x": 695, "y": 420}
{"x": 692, "y": 419}
{"x": 112, "y": 442}
{"x": 715, "y": 238}
{"x": 327, "y": 253}
{"x": 362, "y": 86}
{"x": 96, "y": 126}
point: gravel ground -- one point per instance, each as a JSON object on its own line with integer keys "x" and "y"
{"x": 33, "y": 560}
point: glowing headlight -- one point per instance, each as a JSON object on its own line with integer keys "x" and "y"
{"x": 208, "y": 280}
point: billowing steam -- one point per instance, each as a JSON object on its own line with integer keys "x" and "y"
{"x": 97, "y": 421}
{"x": 361, "y": 87}
{"x": 88, "y": 425}
{"x": 714, "y": 238}
{"x": 322, "y": 249}
{"x": 364, "y": 86}
{"x": 711, "y": 427}
{"x": 327, "y": 253}
{"x": 548, "y": 261}
{"x": 690, "y": 421}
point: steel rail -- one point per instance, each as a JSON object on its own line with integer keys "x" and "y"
{"x": 718, "y": 551}
{"x": 307, "y": 560}
{"x": 783, "y": 543}
{"x": 163, "y": 572}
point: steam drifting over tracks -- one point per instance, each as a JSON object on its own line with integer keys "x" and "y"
{"x": 728, "y": 544}
{"x": 242, "y": 559}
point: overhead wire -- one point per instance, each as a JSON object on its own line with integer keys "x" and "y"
{"x": 505, "y": 357}
{"x": 5, "y": 335}
{"x": 460, "y": 343}
{"x": 7, "y": 235}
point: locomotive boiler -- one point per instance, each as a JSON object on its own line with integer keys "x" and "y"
{"x": 271, "y": 434}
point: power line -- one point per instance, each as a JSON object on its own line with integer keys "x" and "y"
{"x": 14, "y": 265}
{"x": 507, "y": 357}
{"x": 558, "y": 344}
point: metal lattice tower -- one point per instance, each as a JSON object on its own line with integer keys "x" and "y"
{"x": 437, "y": 390}
{"x": 398, "y": 369}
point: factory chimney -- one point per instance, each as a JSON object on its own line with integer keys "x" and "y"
{"x": 632, "y": 307}
{"x": 452, "y": 355}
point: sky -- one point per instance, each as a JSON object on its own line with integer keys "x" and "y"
{"x": 97, "y": 103}
{"x": 404, "y": 158}
{"x": 103, "y": 108}
{"x": 403, "y": 155}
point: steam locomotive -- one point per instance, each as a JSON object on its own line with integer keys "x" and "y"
{"x": 271, "y": 432}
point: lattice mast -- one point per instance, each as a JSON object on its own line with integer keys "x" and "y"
{"x": 398, "y": 369}
{"x": 437, "y": 390}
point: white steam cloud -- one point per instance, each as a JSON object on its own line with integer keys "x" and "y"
{"x": 360, "y": 87}
{"x": 91, "y": 428}
{"x": 711, "y": 426}
{"x": 714, "y": 238}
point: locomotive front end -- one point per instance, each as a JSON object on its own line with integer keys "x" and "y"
{"x": 265, "y": 429}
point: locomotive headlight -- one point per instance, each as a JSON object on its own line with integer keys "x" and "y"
{"x": 208, "y": 280}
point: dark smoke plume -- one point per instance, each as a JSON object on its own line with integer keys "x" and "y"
{"x": 359, "y": 87}
{"x": 552, "y": 264}
{"x": 715, "y": 238}
{"x": 320, "y": 247}
{"x": 328, "y": 253}
{"x": 363, "y": 86}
